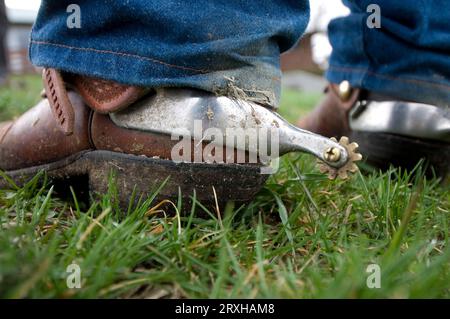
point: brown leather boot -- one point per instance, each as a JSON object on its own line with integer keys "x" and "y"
{"x": 388, "y": 131}
{"x": 70, "y": 133}
{"x": 330, "y": 117}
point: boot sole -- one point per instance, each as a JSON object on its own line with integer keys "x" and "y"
{"x": 382, "y": 150}
{"x": 143, "y": 175}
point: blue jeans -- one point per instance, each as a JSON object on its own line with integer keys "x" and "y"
{"x": 232, "y": 47}
{"x": 407, "y": 58}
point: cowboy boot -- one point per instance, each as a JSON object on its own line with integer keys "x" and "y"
{"x": 70, "y": 133}
{"x": 389, "y": 131}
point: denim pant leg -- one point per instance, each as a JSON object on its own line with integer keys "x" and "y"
{"x": 408, "y": 57}
{"x": 229, "y": 47}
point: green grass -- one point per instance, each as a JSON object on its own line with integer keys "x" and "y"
{"x": 302, "y": 237}
{"x": 19, "y": 95}
{"x": 295, "y": 104}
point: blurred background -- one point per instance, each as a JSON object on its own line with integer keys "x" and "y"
{"x": 302, "y": 66}
{"x": 20, "y": 15}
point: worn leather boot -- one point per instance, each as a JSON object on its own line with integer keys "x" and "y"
{"x": 70, "y": 134}
{"x": 388, "y": 131}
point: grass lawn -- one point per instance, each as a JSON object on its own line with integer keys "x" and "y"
{"x": 302, "y": 237}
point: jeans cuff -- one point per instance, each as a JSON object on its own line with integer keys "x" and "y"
{"x": 259, "y": 82}
{"x": 407, "y": 88}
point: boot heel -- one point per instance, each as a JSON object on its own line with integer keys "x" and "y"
{"x": 143, "y": 176}
{"x": 382, "y": 149}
